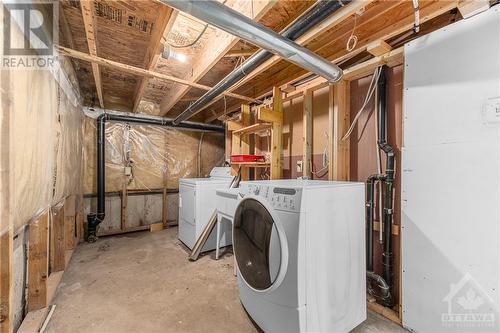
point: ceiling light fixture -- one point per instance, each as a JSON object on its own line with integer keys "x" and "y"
{"x": 168, "y": 54}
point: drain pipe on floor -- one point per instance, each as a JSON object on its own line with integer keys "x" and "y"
{"x": 94, "y": 219}
{"x": 384, "y": 282}
{"x": 233, "y": 22}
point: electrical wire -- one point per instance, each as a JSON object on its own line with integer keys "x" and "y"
{"x": 196, "y": 39}
{"x": 192, "y": 43}
{"x": 368, "y": 97}
{"x": 416, "y": 7}
{"x": 326, "y": 159}
{"x": 353, "y": 39}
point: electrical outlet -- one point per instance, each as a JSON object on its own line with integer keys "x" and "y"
{"x": 299, "y": 166}
{"x": 128, "y": 171}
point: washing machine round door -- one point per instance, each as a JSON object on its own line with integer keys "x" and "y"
{"x": 256, "y": 244}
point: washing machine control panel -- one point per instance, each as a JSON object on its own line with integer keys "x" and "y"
{"x": 282, "y": 198}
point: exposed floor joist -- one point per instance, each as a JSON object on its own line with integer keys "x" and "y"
{"x": 89, "y": 23}
{"x": 166, "y": 19}
{"x": 138, "y": 71}
{"x": 321, "y": 28}
{"x": 391, "y": 58}
{"x": 432, "y": 9}
{"x": 214, "y": 49}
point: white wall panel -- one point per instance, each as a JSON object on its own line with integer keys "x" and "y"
{"x": 451, "y": 178}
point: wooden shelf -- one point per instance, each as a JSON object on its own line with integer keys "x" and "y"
{"x": 252, "y": 129}
{"x": 253, "y": 164}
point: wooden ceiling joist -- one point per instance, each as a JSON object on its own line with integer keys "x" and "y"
{"x": 470, "y": 8}
{"x": 166, "y": 19}
{"x": 238, "y": 53}
{"x": 214, "y": 49}
{"x": 89, "y": 23}
{"x": 390, "y": 58}
{"x": 378, "y": 48}
{"x": 139, "y": 71}
{"x": 383, "y": 12}
{"x": 65, "y": 29}
{"x": 430, "y": 10}
{"x": 332, "y": 21}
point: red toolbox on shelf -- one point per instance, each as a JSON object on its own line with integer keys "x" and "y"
{"x": 247, "y": 158}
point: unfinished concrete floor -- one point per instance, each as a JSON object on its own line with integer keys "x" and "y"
{"x": 143, "y": 282}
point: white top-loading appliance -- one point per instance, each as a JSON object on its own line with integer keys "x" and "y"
{"x": 196, "y": 204}
{"x": 300, "y": 252}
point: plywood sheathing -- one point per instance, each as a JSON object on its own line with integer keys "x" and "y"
{"x": 380, "y": 20}
{"x": 123, "y": 32}
{"x": 277, "y": 18}
{"x": 126, "y": 39}
{"x": 214, "y": 48}
{"x": 274, "y": 15}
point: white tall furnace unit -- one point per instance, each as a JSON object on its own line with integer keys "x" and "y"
{"x": 196, "y": 204}
{"x": 451, "y": 178}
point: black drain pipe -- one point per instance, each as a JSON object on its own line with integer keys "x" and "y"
{"x": 94, "y": 219}
{"x": 384, "y": 282}
{"x": 312, "y": 17}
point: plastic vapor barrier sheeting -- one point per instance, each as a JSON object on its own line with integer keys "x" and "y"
{"x": 45, "y": 135}
{"x": 145, "y": 157}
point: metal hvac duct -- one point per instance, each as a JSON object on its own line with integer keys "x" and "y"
{"x": 239, "y": 25}
{"x": 94, "y": 219}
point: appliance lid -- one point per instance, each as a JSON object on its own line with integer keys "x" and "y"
{"x": 194, "y": 180}
{"x": 221, "y": 172}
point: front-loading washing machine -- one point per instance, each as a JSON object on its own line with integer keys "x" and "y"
{"x": 300, "y": 251}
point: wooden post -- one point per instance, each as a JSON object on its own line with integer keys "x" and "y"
{"x": 123, "y": 211}
{"x": 6, "y": 203}
{"x": 79, "y": 225}
{"x": 338, "y": 117}
{"x": 235, "y": 150}
{"x": 307, "y": 134}
{"x": 69, "y": 222}
{"x": 57, "y": 246}
{"x": 38, "y": 263}
{"x": 330, "y": 131}
{"x": 245, "y": 139}
{"x": 69, "y": 232}
{"x": 6, "y": 281}
{"x": 277, "y": 136}
{"x": 227, "y": 143}
{"x": 164, "y": 208}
